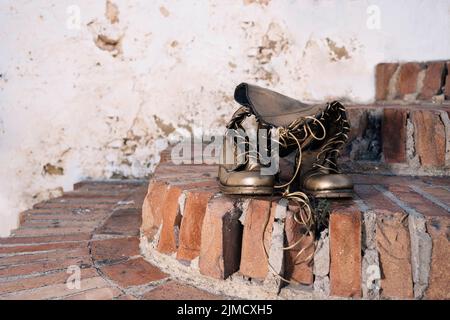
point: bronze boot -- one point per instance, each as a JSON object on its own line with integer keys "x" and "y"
{"x": 240, "y": 169}
{"x": 319, "y": 173}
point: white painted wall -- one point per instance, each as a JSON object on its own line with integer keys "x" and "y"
{"x": 66, "y": 102}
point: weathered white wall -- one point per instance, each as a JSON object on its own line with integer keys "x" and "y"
{"x": 73, "y": 104}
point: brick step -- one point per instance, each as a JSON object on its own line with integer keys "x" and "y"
{"x": 408, "y": 139}
{"x": 394, "y": 231}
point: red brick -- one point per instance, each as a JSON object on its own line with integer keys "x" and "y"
{"x": 394, "y": 250}
{"x": 433, "y": 81}
{"x": 416, "y": 201}
{"x": 125, "y": 222}
{"x": 374, "y": 199}
{"x": 96, "y": 294}
{"x": 447, "y": 83}
{"x": 407, "y": 80}
{"x": 439, "y": 279}
{"x": 394, "y": 135}
{"x": 177, "y": 291}
{"x": 345, "y": 252}
{"x": 56, "y": 223}
{"x": 299, "y": 259}
{"x": 57, "y": 290}
{"x": 42, "y": 232}
{"x": 113, "y": 250}
{"x": 439, "y": 193}
{"x": 44, "y": 266}
{"x": 45, "y": 256}
{"x": 256, "y": 238}
{"x": 135, "y": 199}
{"x": 171, "y": 219}
{"x": 221, "y": 239}
{"x": 151, "y": 208}
{"x": 133, "y": 273}
{"x": 429, "y": 134}
{"x": 383, "y": 75}
{"x": 42, "y": 247}
{"x": 42, "y": 240}
{"x": 67, "y": 206}
{"x": 191, "y": 224}
{"x": 44, "y": 280}
{"x": 125, "y": 297}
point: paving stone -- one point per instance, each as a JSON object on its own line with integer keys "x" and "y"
{"x": 124, "y": 222}
{"x": 417, "y": 201}
{"x": 45, "y": 239}
{"x": 176, "y": 291}
{"x": 45, "y": 256}
{"x": 56, "y": 291}
{"x": 44, "y": 266}
{"x": 96, "y": 294}
{"x": 374, "y": 199}
{"x": 133, "y": 273}
{"x": 42, "y": 247}
{"x": 42, "y": 280}
{"x": 113, "y": 250}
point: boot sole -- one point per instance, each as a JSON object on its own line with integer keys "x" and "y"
{"x": 345, "y": 193}
{"x": 246, "y": 190}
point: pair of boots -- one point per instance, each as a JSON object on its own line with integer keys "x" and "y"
{"x": 312, "y": 133}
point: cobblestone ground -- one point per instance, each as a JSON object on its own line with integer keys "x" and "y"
{"x": 93, "y": 232}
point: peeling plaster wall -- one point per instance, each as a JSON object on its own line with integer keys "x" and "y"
{"x": 100, "y": 100}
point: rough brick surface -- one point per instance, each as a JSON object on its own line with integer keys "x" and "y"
{"x": 345, "y": 252}
{"x": 125, "y": 222}
{"x": 42, "y": 281}
{"x": 299, "y": 259}
{"x": 112, "y": 250}
{"x": 407, "y": 79}
{"x": 417, "y": 201}
{"x": 259, "y": 215}
{"x": 171, "y": 219}
{"x": 447, "y": 83}
{"x": 394, "y": 250}
{"x": 383, "y": 74}
{"x": 152, "y": 208}
{"x": 176, "y": 291}
{"x": 191, "y": 224}
{"x": 394, "y": 135}
{"x": 221, "y": 240}
{"x": 439, "y": 280}
{"x": 433, "y": 80}
{"x": 133, "y": 273}
{"x": 429, "y": 133}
